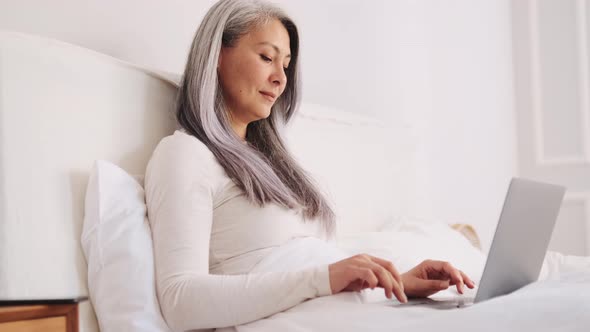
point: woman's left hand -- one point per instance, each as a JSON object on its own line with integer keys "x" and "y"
{"x": 430, "y": 277}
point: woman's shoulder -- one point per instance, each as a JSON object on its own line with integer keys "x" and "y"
{"x": 181, "y": 145}
{"x": 181, "y": 140}
{"x": 183, "y": 151}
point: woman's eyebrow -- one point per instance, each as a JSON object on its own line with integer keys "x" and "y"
{"x": 275, "y": 47}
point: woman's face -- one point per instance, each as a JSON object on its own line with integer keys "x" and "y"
{"x": 252, "y": 72}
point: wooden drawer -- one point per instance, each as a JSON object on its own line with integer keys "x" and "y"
{"x": 52, "y": 324}
{"x": 39, "y": 318}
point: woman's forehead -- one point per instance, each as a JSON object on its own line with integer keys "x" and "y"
{"x": 272, "y": 34}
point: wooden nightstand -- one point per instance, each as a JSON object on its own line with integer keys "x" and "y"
{"x": 57, "y": 315}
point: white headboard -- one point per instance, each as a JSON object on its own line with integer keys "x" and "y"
{"x": 61, "y": 108}
{"x": 365, "y": 167}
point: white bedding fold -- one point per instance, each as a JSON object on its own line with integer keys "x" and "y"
{"x": 559, "y": 301}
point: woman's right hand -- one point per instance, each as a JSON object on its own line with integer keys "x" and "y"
{"x": 364, "y": 271}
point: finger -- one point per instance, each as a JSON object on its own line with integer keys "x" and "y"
{"x": 390, "y": 284}
{"x": 456, "y": 276}
{"x": 364, "y": 285}
{"x": 367, "y": 275}
{"x": 357, "y": 285}
{"x": 385, "y": 278}
{"x": 391, "y": 268}
{"x": 434, "y": 284}
{"x": 467, "y": 280}
{"x": 429, "y": 287}
{"x": 451, "y": 272}
{"x": 396, "y": 287}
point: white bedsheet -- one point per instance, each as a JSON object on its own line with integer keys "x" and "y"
{"x": 559, "y": 301}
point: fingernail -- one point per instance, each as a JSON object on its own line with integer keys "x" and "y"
{"x": 405, "y": 298}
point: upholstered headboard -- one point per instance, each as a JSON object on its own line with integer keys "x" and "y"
{"x": 366, "y": 167}
{"x": 62, "y": 107}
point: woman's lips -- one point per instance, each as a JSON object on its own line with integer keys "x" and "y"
{"x": 268, "y": 96}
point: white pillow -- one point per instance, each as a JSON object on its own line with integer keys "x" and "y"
{"x": 117, "y": 243}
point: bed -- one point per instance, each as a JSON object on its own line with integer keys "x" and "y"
{"x": 62, "y": 107}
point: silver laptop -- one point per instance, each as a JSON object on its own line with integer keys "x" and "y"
{"x": 519, "y": 245}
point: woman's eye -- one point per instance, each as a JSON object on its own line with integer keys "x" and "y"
{"x": 265, "y": 58}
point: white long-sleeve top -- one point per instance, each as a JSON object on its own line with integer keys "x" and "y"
{"x": 207, "y": 238}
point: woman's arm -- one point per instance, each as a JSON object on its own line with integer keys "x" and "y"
{"x": 179, "y": 193}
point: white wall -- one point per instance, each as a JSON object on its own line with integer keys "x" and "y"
{"x": 456, "y": 56}
{"x": 551, "y": 52}
{"x": 152, "y": 33}
{"x": 443, "y": 67}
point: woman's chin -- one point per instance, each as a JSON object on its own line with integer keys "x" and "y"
{"x": 263, "y": 114}
{"x": 260, "y": 113}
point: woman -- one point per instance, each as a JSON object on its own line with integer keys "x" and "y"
{"x": 223, "y": 192}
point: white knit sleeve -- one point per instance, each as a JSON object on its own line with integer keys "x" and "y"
{"x": 179, "y": 188}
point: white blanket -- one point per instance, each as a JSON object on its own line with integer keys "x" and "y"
{"x": 559, "y": 301}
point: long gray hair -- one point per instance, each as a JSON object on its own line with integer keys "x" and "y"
{"x": 263, "y": 168}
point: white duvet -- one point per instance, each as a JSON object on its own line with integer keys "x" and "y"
{"x": 559, "y": 301}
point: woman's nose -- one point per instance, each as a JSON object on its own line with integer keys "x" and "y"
{"x": 279, "y": 77}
